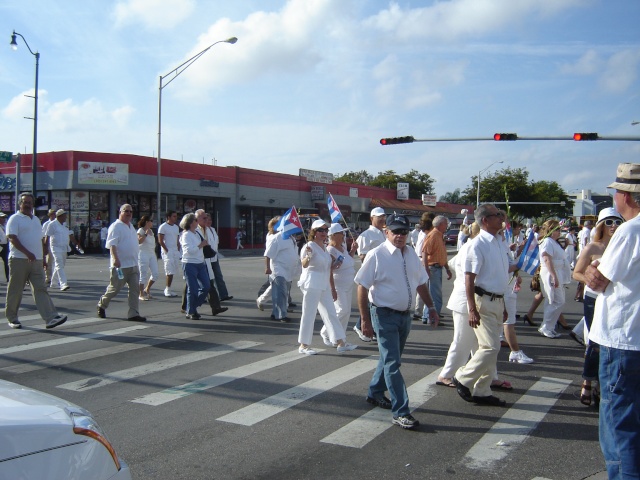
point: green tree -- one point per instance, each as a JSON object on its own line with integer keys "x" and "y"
{"x": 359, "y": 178}
{"x": 419, "y": 183}
{"x": 452, "y": 197}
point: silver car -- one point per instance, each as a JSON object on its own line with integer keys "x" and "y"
{"x": 42, "y": 436}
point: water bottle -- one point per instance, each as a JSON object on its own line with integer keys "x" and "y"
{"x": 120, "y": 273}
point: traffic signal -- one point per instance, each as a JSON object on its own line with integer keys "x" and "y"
{"x": 579, "y": 137}
{"x": 395, "y": 140}
{"x": 499, "y": 137}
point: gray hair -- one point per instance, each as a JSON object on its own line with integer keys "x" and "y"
{"x": 482, "y": 212}
{"x": 187, "y": 220}
{"x": 636, "y": 197}
{"x": 439, "y": 220}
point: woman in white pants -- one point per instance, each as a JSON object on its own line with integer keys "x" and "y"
{"x": 343, "y": 275}
{"x": 554, "y": 274}
{"x": 147, "y": 260}
{"x": 316, "y": 284}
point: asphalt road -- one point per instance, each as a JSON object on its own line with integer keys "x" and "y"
{"x": 230, "y": 397}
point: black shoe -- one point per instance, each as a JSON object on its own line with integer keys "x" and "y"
{"x": 463, "y": 391}
{"x": 382, "y": 402}
{"x": 489, "y": 400}
{"x": 228, "y": 297}
{"x": 137, "y": 318}
{"x": 216, "y": 311}
{"x": 101, "y": 312}
{"x": 194, "y": 316}
{"x": 293, "y": 305}
{"x": 285, "y": 320}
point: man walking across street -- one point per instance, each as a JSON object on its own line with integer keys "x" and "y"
{"x": 214, "y": 242}
{"x": 616, "y": 328}
{"x": 282, "y": 259}
{"x": 367, "y": 241}
{"x": 122, "y": 240}
{"x": 51, "y": 217}
{"x": 4, "y": 245}
{"x": 169, "y": 240}
{"x": 57, "y": 239}
{"x": 486, "y": 281}
{"x": 434, "y": 258}
{"x": 26, "y": 262}
{"x": 387, "y": 284}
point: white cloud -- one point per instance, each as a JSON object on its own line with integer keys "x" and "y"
{"x": 589, "y": 64}
{"x": 621, "y": 71}
{"x": 154, "y": 14}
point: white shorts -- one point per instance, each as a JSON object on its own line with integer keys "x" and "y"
{"x": 510, "y": 303}
{"x": 172, "y": 263}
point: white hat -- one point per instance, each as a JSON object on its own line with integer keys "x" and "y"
{"x": 60, "y": 212}
{"x": 336, "y": 228}
{"x": 318, "y": 224}
{"x": 377, "y": 212}
{"x": 608, "y": 213}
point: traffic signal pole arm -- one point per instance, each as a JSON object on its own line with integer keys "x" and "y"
{"x": 578, "y": 137}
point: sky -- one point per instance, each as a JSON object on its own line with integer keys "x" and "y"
{"x": 315, "y": 84}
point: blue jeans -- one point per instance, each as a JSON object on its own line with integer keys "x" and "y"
{"x": 392, "y": 329}
{"x": 620, "y": 412}
{"x": 592, "y": 355}
{"x": 217, "y": 273}
{"x": 435, "y": 289}
{"x": 280, "y": 297}
{"x": 198, "y": 285}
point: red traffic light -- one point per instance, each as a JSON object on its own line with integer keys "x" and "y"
{"x": 579, "y": 137}
{"x": 499, "y": 137}
{"x": 396, "y": 140}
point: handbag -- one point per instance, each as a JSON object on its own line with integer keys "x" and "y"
{"x": 207, "y": 251}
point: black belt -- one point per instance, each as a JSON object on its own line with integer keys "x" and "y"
{"x": 406, "y": 312}
{"x": 435, "y": 265}
{"x": 481, "y": 291}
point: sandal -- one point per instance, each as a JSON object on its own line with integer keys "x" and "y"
{"x": 585, "y": 394}
{"x": 446, "y": 382}
{"x": 149, "y": 296}
{"x": 501, "y": 385}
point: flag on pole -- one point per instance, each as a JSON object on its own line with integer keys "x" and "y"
{"x": 334, "y": 211}
{"x": 289, "y": 224}
{"x": 530, "y": 257}
{"x": 508, "y": 232}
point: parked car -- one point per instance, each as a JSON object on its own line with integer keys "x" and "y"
{"x": 451, "y": 236}
{"x": 42, "y": 436}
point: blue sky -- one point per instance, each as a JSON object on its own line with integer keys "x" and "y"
{"x": 315, "y": 84}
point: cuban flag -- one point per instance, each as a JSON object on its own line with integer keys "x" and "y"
{"x": 530, "y": 257}
{"x": 508, "y": 232}
{"x": 334, "y": 211}
{"x": 289, "y": 224}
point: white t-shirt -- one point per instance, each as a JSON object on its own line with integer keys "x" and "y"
{"x": 343, "y": 276}
{"x": 316, "y": 275}
{"x": 616, "y": 320}
{"x": 369, "y": 239}
{"x": 283, "y": 254}
{"x": 29, "y": 232}
{"x": 59, "y": 235}
{"x": 125, "y": 239}
{"x": 170, "y": 233}
{"x": 149, "y": 244}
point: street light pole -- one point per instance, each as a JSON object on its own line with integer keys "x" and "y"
{"x": 175, "y": 73}
{"x": 480, "y": 172}
{"x": 34, "y": 159}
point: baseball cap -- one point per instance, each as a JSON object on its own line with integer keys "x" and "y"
{"x": 336, "y": 228}
{"x": 318, "y": 224}
{"x": 377, "y": 212}
{"x": 395, "y": 222}
{"x": 3, "y": 215}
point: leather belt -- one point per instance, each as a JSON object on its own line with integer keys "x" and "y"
{"x": 406, "y": 312}
{"x": 435, "y": 265}
{"x": 482, "y": 292}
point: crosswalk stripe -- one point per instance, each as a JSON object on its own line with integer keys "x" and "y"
{"x": 97, "y": 353}
{"x": 170, "y": 394}
{"x": 516, "y": 424}
{"x": 29, "y": 328}
{"x": 376, "y": 421}
{"x": 164, "y": 364}
{"x": 257, "y": 412}
{"x": 66, "y": 340}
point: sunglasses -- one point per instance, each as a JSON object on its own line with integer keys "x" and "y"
{"x": 498, "y": 214}
{"x": 609, "y": 222}
{"x": 127, "y": 211}
{"x": 323, "y": 230}
{"x": 400, "y": 231}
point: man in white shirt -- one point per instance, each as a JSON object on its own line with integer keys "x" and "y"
{"x": 169, "y": 240}
{"x": 486, "y": 282}
{"x": 282, "y": 255}
{"x": 367, "y": 241}
{"x": 4, "y": 245}
{"x": 387, "y": 283}
{"x": 51, "y": 217}
{"x": 26, "y": 262}
{"x": 415, "y": 233}
{"x": 122, "y": 241}
{"x": 616, "y": 328}
{"x": 57, "y": 238}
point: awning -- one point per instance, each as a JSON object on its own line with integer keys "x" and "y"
{"x": 417, "y": 209}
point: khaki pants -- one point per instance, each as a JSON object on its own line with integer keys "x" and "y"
{"x": 480, "y": 370}
{"x": 131, "y": 278}
{"x": 22, "y": 270}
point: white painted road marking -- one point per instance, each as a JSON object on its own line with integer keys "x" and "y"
{"x": 30, "y": 328}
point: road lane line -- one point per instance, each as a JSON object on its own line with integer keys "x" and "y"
{"x": 359, "y": 432}
{"x": 97, "y": 353}
{"x": 157, "y": 366}
{"x": 259, "y": 411}
{"x": 218, "y": 379}
{"x": 516, "y": 424}
{"x": 65, "y": 340}
{"x": 30, "y": 328}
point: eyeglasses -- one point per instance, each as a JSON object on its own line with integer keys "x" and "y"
{"x": 609, "y": 222}
{"x": 126, "y": 211}
{"x": 400, "y": 231}
{"x": 497, "y": 214}
{"x": 323, "y": 230}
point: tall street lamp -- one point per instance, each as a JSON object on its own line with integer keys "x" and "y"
{"x": 34, "y": 159}
{"x": 480, "y": 172}
{"x": 174, "y": 73}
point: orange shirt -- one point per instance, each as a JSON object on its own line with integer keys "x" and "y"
{"x": 434, "y": 248}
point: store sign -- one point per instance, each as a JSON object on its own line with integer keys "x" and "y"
{"x": 209, "y": 183}
{"x": 315, "y": 176}
{"x": 7, "y": 183}
{"x": 403, "y": 191}
{"x": 317, "y": 192}
{"x": 353, "y": 192}
{"x": 429, "y": 200}
{"x": 79, "y": 201}
{"x": 6, "y": 157}
{"x": 97, "y": 173}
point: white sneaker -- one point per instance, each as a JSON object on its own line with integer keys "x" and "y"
{"x": 519, "y": 357}
{"x": 347, "y": 347}
{"x": 169, "y": 293}
{"x": 548, "y": 333}
{"x": 307, "y": 350}
{"x": 362, "y": 336}
{"x": 326, "y": 340}
{"x": 57, "y": 320}
{"x": 260, "y": 306}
